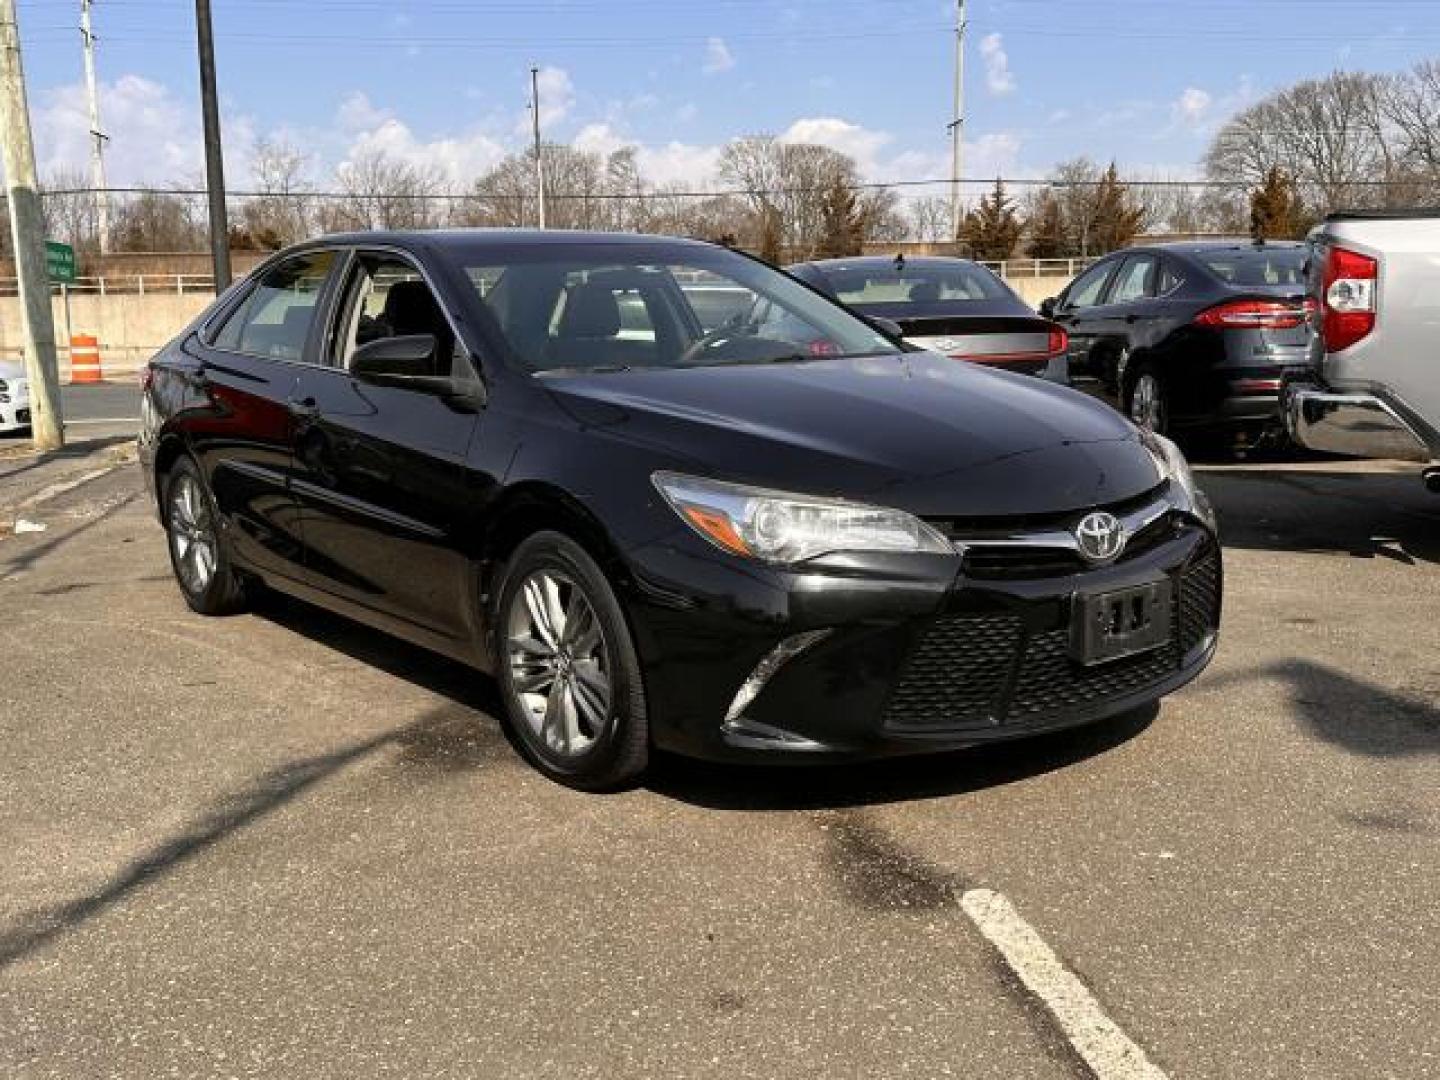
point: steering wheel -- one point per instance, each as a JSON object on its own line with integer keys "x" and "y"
{"x": 731, "y": 329}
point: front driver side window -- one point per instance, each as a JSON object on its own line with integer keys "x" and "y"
{"x": 1086, "y": 290}
{"x": 387, "y": 297}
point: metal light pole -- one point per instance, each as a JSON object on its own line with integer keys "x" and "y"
{"x": 535, "y": 116}
{"x": 97, "y": 136}
{"x": 27, "y": 228}
{"x": 957, "y": 125}
{"x": 214, "y": 162}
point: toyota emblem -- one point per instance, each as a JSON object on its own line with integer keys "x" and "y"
{"x": 1101, "y": 537}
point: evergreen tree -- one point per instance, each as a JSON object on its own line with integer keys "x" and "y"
{"x": 1275, "y": 210}
{"x": 1048, "y": 238}
{"x": 1115, "y": 219}
{"x": 992, "y": 229}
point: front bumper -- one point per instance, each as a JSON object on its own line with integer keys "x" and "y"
{"x": 926, "y": 654}
{"x": 1357, "y": 424}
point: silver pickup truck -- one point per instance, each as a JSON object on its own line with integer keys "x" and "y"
{"x": 1375, "y": 386}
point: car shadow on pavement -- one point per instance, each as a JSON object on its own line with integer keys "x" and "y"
{"x": 442, "y": 735}
{"x": 788, "y": 787}
{"x": 1366, "y": 515}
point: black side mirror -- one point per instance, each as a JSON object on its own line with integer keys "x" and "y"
{"x": 1047, "y": 307}
{"x": 887, "y": 327}
{"x": 409, "y": 355}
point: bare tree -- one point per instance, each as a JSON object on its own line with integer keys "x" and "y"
{"x": 929, "y": 218}
{"x": 70, "y": 211}
{"x": 160, "y": 221}
{"x": 379, "y": 191}
{"x": 282, "y": 210}
{"x": 784, "y": 184}
{"x": 1330, "y": 135}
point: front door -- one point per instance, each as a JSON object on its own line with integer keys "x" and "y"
{"x": 380, "y": 471}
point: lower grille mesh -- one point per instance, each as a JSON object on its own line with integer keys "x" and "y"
{"x": 979, "y": 671}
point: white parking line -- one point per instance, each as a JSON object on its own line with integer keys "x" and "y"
{"x": 1107, "y": 1050}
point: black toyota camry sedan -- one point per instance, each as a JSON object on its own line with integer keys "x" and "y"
{"x": 527, "y": 451}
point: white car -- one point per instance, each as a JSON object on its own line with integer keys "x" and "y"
{"x": 14, "y": 396}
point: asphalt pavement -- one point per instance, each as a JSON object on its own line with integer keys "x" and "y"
{"x": 283, "y": 845}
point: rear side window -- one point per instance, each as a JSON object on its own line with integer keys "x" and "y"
{"x": 275, "y": 319}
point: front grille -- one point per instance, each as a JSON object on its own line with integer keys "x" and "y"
{"x": 984, "y": 671}
{"x": 955, "y": 677}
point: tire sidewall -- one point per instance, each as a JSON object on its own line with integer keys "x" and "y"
{"x": 620, "y": 753}
{"x": 216, "y": 592}
{"x": 1162, "y": 426}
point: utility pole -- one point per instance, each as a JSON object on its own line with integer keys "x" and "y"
{"x": 535, "y": 116}
{"x": 97, "y": 136}
{"x": 27, "y": 228}
{"x": 957, "y": 125}
{"x": 214, "y": 163}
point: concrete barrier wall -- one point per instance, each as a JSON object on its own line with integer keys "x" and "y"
{"x": 131, "y": 326}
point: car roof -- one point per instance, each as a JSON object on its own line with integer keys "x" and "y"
{"x": 1205, "y": 247}
{"x": 861, "y": 262}
{"x": 470, "y": 238}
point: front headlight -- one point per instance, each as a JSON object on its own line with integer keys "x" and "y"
{"x": 1170, "y": 460}
{"x": 778, "y": 527}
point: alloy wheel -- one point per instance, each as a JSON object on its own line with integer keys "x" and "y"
{"x": 192, "y": 534}
{"x": 559, "y": 663}
{"x": 1146, "y": 406}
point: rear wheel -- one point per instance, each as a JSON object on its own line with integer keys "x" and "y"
{"x": 1147, "y": 402}
{"x": 197, "y": 553}
{"x": 568, "y": 668}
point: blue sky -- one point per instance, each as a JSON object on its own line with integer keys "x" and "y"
{"x": 445, "y": 81}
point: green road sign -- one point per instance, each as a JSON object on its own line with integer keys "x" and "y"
{"x": 60, "y": 261}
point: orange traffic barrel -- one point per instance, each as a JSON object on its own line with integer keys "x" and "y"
{"x": 85, "y": 359}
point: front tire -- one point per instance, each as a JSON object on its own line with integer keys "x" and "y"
{"x": 1147, "y": 400}
{"x": 197, "y": 551}
{"x": 568, "y": 670}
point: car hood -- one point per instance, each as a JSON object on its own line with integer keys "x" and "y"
{"x": 922, "y": 432}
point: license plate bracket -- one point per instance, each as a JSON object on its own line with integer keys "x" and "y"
{"x": 1121, "y": 622}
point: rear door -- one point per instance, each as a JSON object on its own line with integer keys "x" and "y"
{"x": 251, "y": 362}
{"x": 1115, "y": 322}
{"x": 380, "y": 470}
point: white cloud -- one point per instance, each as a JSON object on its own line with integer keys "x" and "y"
{"x": 1191, "y": 107}
{"x": 998, "y": 77}
{"x": 860, "y": 143}
{"x": 678, "y": 163}
{"x": 458, "y": 158}
{"x": 718, "y": 57}
{"x": 687, "y": 112}
{"x": 357, "y": 113}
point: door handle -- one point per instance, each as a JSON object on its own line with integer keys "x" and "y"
{"x": 303, "y": 409}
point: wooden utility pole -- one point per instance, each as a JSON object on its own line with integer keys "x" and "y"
{"x": 27, "y": 228}
{"x": 214, "y": 161}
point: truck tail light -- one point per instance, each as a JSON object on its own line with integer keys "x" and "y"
{"x": 1349, "y": 297}
{"x": 1059, "y": 341}
{"x": 1252, "y": 315}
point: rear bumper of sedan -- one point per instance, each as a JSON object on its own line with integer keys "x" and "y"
{"x": 927, "y": 654}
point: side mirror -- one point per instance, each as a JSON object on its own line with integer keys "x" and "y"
{"x": 410, "y": 355}
{"x": 1047, "y": 307}
{"x": 887, "y": 327}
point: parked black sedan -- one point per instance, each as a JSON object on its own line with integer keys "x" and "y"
{"x": 950, "y": 306}
{"x": 525, "y": 450}
{"x": 1195, "y": 335}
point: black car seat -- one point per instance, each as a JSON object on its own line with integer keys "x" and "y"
{"x": 411, "y": 308}
{"x": 586, "y": 334}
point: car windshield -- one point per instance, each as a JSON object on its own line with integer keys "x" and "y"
{"x": 608, "y": 307}
{"x": 901, "y": 282}
{"x": 1259, "y": 266}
